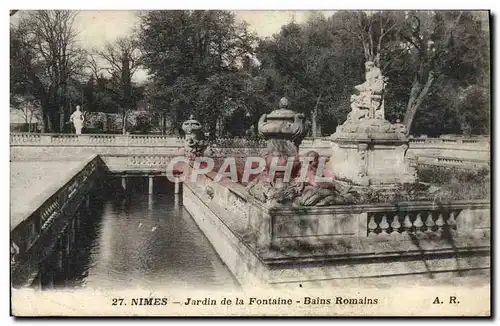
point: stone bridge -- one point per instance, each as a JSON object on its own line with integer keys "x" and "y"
{"x": 143, "y": 152}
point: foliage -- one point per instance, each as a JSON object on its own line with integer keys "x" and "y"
{"x": 456, "y": 184}
{"x": 442, "y": 175}
{"x": 193, "y": 58}
{"x": 44, "y": 60}
{"x": 437, "y": 63}
{"x": 209, "y": 64}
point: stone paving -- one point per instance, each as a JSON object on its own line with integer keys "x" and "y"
{"x": 31, "y": 183}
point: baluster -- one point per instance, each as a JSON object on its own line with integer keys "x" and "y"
{"x": 395, "y": 225}
{"x": 429, "y": 223}
{"x": 407, "y": 224}
{"x": 440, "y": 222}
{"x": 384, "y": 225}
{"x": 451, "y": 220}
{"x": 372, "y": 225}
{"x": 418, "y": 224}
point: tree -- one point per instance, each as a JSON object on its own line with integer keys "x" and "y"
{"x": 311, "y": 65}
{"x": 122, "y": 61}
{"x": 191, "y": 56}
{"x": 44, "y": 56}
{"x": 372, "y": 29}
{"x": 419, "y": 51}
{"x": 29, "y": 108}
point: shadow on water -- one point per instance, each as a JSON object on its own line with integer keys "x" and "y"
{"x": 134, "y": 239}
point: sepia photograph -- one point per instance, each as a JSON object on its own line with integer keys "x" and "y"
{"x": 250, "y": 163}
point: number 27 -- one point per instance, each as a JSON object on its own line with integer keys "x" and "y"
{"x": 117, "y": 301}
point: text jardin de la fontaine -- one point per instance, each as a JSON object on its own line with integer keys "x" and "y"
{"x": 251, "y": 301}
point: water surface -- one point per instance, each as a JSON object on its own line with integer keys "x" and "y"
{"x": 145, "y": 241}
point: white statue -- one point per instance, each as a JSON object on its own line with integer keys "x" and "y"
{"x": 374, "y": 79}
{"x": 370, "y": 95}
{"x": 77, "y": 118}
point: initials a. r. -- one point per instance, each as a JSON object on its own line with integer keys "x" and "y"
{"x": 437, "y": 301}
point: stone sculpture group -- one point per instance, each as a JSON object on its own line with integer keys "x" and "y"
{"x": 362, "y": 148}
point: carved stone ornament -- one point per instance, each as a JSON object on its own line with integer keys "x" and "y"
{"x": 367, "y": 116}
{"x": 283, "y": 124}
{"x": 195, "y": 141}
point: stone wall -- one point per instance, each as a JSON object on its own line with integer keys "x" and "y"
{"x": 280, "y": 246}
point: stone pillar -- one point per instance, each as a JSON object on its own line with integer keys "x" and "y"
{"x": 150, "y": 203}
{"x": 77, "y": 220}
{"x": 68, "y": 240}
{"x": 124, "y": 183}
{"x": 177, "y": 200}
{"x": 151, "y": 185}
{"x": 177, "y": 188}
{"x": 60, "y": 253}
{"x": 73, "y": 232}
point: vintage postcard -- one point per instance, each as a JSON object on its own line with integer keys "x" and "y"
{"x": 250, "y": 163}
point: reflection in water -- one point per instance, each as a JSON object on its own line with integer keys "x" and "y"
{"x": 146, "y": 241}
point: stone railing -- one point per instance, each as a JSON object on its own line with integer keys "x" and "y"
{"x": 237, "y": 143}
{"x": 466, "y": 149}
{"x": 447, "y": 162}
{"x": 450, "y": 140}
{"x": 141, "y": 163}
{"x": 39, "y": 225}
{"x": 421, "y": 218}
{"x": 20, "y": 139}
{"x": 30, "y": 139}
{"x": 470, "y": 153}
{"x": 319, "y": 226}
{"x": 401, "y": 222}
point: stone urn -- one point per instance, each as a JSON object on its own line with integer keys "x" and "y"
{"x": 195, "y": 141}
{"x": 283, "y": 130}
{"x": 283, "y": 124}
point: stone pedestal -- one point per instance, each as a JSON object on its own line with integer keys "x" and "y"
{"x": 371, "y": 152}
{"x": 371, "y": 161}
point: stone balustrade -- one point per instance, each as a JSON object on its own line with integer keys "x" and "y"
{"x": 447, "y": 162}
{"x": 280, "y": 245}
{"x": 120, "y": 163}
{"x": 402, "y": 221}
{"x": 319, "y": 225}
{"x": 35, "y": 232}
{"x": 470, "y": 153}
{"x": 421, "y": 218}
{"x": 163, "y": 140}
{"x": 30, "y": 139}
{"x": 465, "y": 149}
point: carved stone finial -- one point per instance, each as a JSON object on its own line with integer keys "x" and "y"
{"x": 283, "y": 104}
{"x": 283, "y": 124}
{"x": 195, "y": 141}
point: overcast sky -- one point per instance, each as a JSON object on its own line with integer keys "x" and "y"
{"x": 97, "y": 27}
